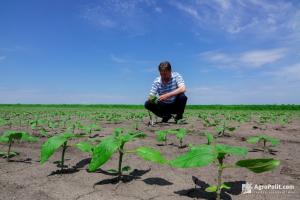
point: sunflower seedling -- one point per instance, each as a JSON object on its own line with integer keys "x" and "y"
{"x": 264, "y": 139}
{"x": 224, "y": 128}
{"x": 204, "y": 155}
{"x": 53, "y": 144}
{"x": 11, "y": 136}
{"x": 116, "y": 143}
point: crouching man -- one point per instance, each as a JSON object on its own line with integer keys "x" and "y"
{"x": 167, "y": 94}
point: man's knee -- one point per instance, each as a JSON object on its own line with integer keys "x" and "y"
{"x": 147, "y": 105}
{"x": 182, "y": 98}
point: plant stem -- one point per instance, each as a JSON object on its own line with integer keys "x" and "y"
{"x": 264, "y": 145}
{"x": 8, "y": 151}
{"x": 220, "y": 170}
{"x": 63, "y": 155}
{"x": 121, "y": 153}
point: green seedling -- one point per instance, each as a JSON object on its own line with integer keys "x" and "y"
{"x": 180, "y": 135}
{"x": 151, "y": 122}
{"x": 11, "y": 136}
{"x": 53, "y": 144}
{"x": 224, "y": 128}
{"x": 86, "y": 147}
{"x": 161, "y": 136}
{"x": 263, "y": 138}
{"x": 108, "y": 146}
{"x": 116, "y": 143}
{"x": 204, "y": 155}
{"x": 153, "y": 99}
{"x": 209, "y": 137}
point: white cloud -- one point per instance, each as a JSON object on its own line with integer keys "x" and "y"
{"x": 262, "y": 57}
{"x": 118, "y": 59}
{"x": 259, "y": 18}
{"x": 287, "y": 73}
{"x": 253, "y": 59}
{"x": 121, "y": 15}
{"x": 190, "y": 10}
{"x": 25, "y": 95}
{"x": 245, "y": 93}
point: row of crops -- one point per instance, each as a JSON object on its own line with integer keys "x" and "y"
{"x": 56, "y": 127}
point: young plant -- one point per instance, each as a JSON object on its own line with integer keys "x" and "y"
{"x": 161, "y": 136}
{"x": 87, "y": 146}
{"x": 10, "y": 137}
{"x": 53, "y": 144}
{"x": 153, "y": 99}
{"x": 209, "y": 137}
{"x": 223, "y": 128}
{"x": 116, "y": 143}
{"x": 204, "y": 155}
{"x": 263, "y": 138}
{"x": 180, "y": 135}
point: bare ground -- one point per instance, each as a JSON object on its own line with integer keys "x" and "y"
{"x": 25, "y": 178}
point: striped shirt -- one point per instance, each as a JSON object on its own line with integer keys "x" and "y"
{"x": 158, "y": 88}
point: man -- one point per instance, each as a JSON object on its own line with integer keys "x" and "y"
{"x": 170, "y": 88}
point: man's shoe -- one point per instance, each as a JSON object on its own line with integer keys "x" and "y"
{"x": 165, "y": 119}
{"x": 177, "y": 118}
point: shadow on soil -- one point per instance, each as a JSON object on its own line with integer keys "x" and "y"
{"x": 270, "y": 151}
{"x": 82, "y": 163}
{"x": 27, "y": 161}
{"x": 134, "y": 175}
{"x": 157, "y": 181}
{"x": 236, "y": 189}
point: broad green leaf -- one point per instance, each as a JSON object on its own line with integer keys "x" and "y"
{"x": 131, "y": 136}
{"x": 223, "y": 185}
{"x": 273, "y": 141}
{"x": 197, "y": 157}
{"x": 28, "y": 138}
{"x": 181, "y": 133}
{"x": 259, "y": 165}
{"x": 69, "y": 135}
{"x": 103, "y": 151}
{"x": 85, "y": 147}
{"x": 212, "y": 188}
{"x": 4, "y": 139}
{"x": 50, "y": 146}
{"x": 253, "y": 139}
{"x": 117, "y": 132}
{"x": 150, "y": 154}
{"x": 13, "y": 135}
{"x": 226, "y": 149}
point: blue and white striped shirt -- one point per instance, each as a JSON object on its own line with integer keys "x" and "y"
{"x": 158, "y": 88}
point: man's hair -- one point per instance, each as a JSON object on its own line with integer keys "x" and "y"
{"x": 164, "y": 66}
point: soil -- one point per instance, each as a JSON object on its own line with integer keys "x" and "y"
{"x": 25, "y": 178}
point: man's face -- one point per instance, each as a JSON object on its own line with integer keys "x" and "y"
{"x": 165, "y": 75}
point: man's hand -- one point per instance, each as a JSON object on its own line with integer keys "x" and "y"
{"x": 164, "y": 96}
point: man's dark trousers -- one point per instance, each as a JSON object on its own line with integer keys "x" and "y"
{"x": 164, "y": 110}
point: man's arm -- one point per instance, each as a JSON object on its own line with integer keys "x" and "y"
{"x": 179, "y": 90}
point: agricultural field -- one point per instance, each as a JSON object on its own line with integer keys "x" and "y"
{"x": 115, "y": 152}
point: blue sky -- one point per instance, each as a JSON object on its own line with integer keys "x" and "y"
{"x": 107, "y": 51}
